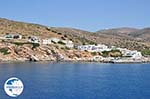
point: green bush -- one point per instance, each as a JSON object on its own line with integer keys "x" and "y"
{"x": 91, "y": 42}
{"x": 145, "y": 52}
{"x": 53, "y": 42}
{"x": 94, "y": 53}
{"x": 60, "y": 42}
{"x": 34, "y": 45}
{"x": 65, "y": 36}
{"x": 18, "y": 43}
{"x": 62, "y": 48}
{"x": 106, "y": 53}
{"x": 54, "y": 31}
{"x": 59, "y": 33}
{"x": 67, "y": 48}
{"x": 83, "y": 43}
{"x": 115, "y": 50}
{"x": 4, "y": 51}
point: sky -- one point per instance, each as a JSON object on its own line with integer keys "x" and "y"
{"x": 91, "y": 15}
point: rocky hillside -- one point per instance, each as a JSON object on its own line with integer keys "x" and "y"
{"x": 111, "y": 39}
{"x": 25, "y": 29}
{"x": 124, "y": 30}
{"x": 130, "y": 38}
{"x": 28, "y": 29}
{"x": 29, "y": 52}
{"x": 143, "y": 34}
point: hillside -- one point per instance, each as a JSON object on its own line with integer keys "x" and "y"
{"x": 29, "y": 29}
{"x": 129, "y": 37}
{"x": 120, "y": 37}
{"x": 143, "y": 34}
{"x": 127, "y": 32}
{"x": 25, "y": 29}
{"x": 123, "y": 30}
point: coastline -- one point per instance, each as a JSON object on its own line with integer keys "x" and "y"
{"x": 72, "y": 61}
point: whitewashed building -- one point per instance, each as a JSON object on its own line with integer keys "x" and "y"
{"x": 56, "y": 40}
{"x": 85, "y": 47}
{"x": 129, "y": 53}
{"x": 17, "y": 36}
{"x": 134, "y": 54}
{"x": 13, "y": 36}
{"x": 94, "y": 48}
{"x": 68, "y": 43}
{"x": 50, "y": 40}
{"x": 46, "y": 41}
{"x": 34, "y": 39}
{"x": 124, "y": 51}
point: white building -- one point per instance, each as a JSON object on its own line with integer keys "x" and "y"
{"x": 13, "y": 36}
{"x": 17, "y": 36}
{"x": 34, "y": 39}
{"x": 134, "y": 54}
{"x": 68, "y": 43}
{"x": 50, "y": 40}
{"x": 46, "y": 41}
{"x": 124, "y": 51}
{"x": 85, "y": 47}
{"x": 128, "y": 53}
{"x": 94, "y": 48}
{"x": 9, "y": 36}
{"x": 56, "y": 40}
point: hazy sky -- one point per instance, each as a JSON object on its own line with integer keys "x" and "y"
{"x": 89, "y": 15}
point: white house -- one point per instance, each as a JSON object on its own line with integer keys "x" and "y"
{"x": 124, "y": 51}
{"x": 50, "y": 40}
{"x": 68, "y": 43}
{"x": 85, "y": 47}
{"x": 13, "y": 36}
{"x": 134, "y": 54}
{"x": 46, "y": 41}
{"x": 128, "y": 53}
{"x": 34, "y": 39}
{"x": 17, "y": 36}
{"x": 9, "y": 36}
{"x": 56, "y": 40}
{"x": 94, "y": 48}
{"x": 100, "y": 48}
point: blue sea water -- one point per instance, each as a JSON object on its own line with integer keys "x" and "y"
{"x": 78, "y": 80}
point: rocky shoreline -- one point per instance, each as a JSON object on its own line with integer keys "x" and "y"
{"x": 76, "y": 61}
{"x": 25, "y": 52}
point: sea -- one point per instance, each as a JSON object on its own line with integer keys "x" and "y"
{"x": 69, "y": 80}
